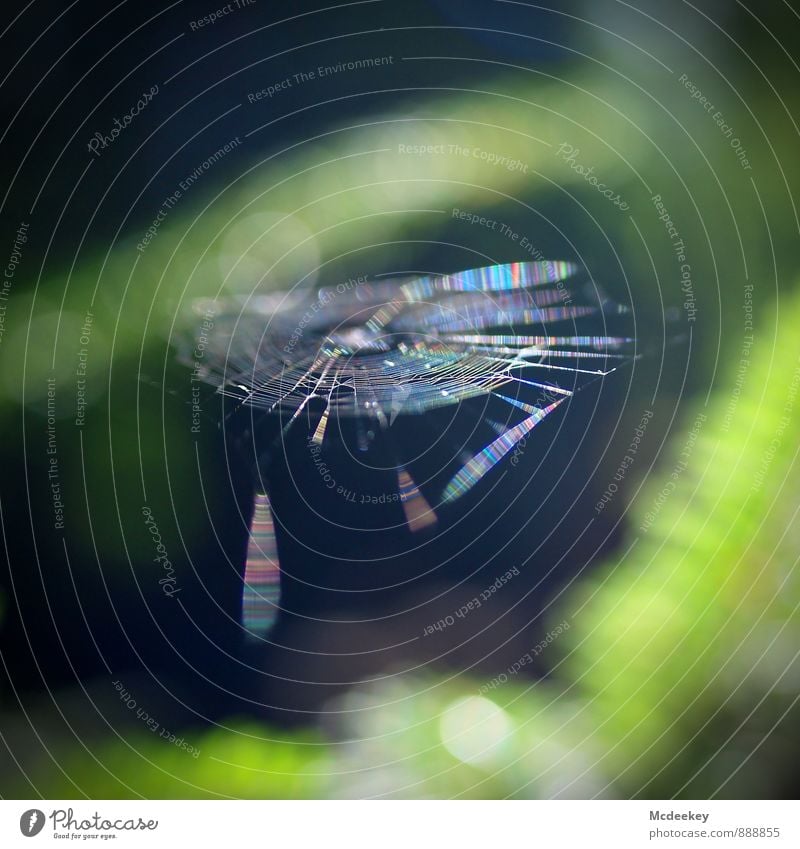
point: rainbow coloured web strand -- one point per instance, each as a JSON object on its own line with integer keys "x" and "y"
{"x": 375, "y": 350}
{"x": 262, "y": 574}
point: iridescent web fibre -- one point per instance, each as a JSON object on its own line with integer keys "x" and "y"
{"x": 260, "y": 597}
